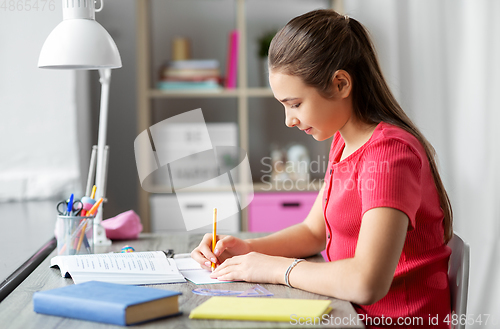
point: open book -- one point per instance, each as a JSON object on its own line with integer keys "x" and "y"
{"x": 150, "y": 267}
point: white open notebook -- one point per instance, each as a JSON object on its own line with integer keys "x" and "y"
{"x": 192, "y": 271}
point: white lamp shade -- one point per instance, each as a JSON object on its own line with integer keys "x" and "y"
{"x": 79, "y": 44}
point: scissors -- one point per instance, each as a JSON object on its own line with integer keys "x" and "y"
{"x": 75, "y": 210}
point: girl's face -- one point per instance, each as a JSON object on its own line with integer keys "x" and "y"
{"x": 307, "y": 110}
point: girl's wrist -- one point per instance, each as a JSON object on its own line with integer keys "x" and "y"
{"x": 281, "y": 269}
{"x": 250, "y": 245}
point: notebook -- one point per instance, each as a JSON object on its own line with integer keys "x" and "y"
{"x": 192, "y": 271}
{"x": 107, "y": 302}
{"x": 260, "y": 309}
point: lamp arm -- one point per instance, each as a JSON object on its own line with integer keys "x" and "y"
{"x": 105, "y": 79}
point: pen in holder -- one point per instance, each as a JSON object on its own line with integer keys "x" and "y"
{"x": 75, "y": 235}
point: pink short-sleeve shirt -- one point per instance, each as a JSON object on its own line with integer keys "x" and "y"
{"x": 391, "y": 170}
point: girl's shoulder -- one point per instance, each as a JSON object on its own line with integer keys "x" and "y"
{"x": 388, "y": 136}
{"x": 384, "y": 139}
{"x": 386, "y": 132}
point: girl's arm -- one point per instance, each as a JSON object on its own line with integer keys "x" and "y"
{"x": 363, "y": 279}
{"x": 300, "y": 240}
{"x": 367, "y": 277}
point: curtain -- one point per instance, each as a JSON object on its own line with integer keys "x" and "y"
{"x": 44, "y": 139}
{"x": 442, "y": 61}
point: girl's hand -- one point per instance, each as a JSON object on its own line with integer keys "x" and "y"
{"x": 253, "y": 267}
{"x": 227, "y": 246}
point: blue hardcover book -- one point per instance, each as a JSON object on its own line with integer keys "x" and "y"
{"x": 107, "y": 302}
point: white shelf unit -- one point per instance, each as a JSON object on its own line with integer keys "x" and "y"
{"x": 147, "y": 94}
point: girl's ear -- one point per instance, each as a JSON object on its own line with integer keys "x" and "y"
{"x": 341, "y": 84}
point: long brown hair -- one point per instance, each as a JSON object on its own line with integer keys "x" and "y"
{"x": 315, "y": 45}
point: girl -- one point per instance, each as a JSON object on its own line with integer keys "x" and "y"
{"x": 382, "y": 214}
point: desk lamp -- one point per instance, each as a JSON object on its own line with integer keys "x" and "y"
{"x": 80, "y": 43}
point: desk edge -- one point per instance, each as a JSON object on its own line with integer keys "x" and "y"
{"x": 15, "y": 279}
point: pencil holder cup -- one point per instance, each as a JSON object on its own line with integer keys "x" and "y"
{"x": 75, "y": 235}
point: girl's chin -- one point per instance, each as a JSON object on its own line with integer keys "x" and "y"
{"x": 320, "y": 137}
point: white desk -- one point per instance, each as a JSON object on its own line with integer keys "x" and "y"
{"x": 16, "y": 311}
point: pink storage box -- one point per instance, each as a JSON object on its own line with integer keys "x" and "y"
{"x": 271, "y": 212}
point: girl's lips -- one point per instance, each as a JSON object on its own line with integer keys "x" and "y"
{"x": 308, "y": 130}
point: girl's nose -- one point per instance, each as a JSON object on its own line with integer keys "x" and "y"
{"x": 291, "y": 121}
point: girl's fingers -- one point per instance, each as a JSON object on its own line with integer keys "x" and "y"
{"x": 224, "y": 243}
{"x": 207, "y": 266}
{"x": 228, "y": 277}
{"x": 226, "y": 272}
{"x": 204, "y": 257}
{"x": 220, "y": 270}
{"x": 208, "y": 254}
{"x": 198, "y": 256}
{"x": 220, "y": 247}
{"x": 227, "y": 265}
{"x": 203, "y": 253}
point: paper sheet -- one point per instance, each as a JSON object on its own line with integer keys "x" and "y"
{"x": 193, "y": 272}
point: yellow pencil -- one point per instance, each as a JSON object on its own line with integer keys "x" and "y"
{"x": 214, "y": 235}
{"x": 82, "y": 234}
{"x": 92, "y": 195}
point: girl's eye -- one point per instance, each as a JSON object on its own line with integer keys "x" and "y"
{"x": 294, "y": 106}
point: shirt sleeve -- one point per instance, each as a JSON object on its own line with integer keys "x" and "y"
{"x": 389, "y": 176}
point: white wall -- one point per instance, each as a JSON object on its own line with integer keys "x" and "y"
{"x": 39, "y": 153}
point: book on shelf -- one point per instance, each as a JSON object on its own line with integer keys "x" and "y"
{"x": 232, "y": 60}
{"x": 207, "y": 85}
{"x": 149, "y": 267}
{"x": 198, "y": 64}
{"x": 108, "y": 303}
{"x": 190, "y": 75}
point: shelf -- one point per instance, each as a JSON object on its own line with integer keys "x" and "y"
{"x": 149, "y": 99}
{"x": 222, "y": 93}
